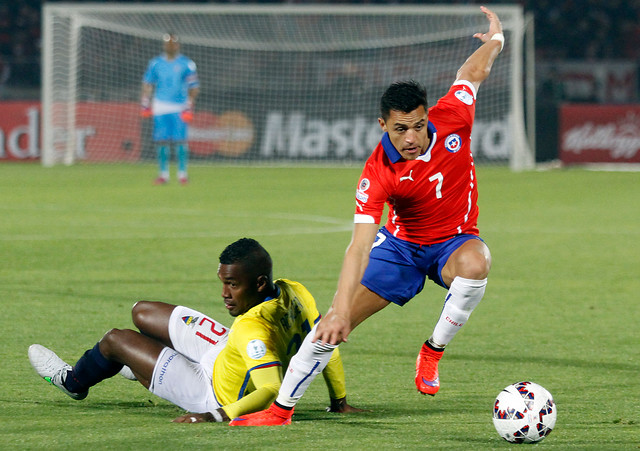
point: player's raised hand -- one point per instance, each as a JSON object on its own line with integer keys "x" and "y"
{"x": 495, "y": 26}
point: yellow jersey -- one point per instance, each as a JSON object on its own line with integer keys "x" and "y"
{"x": 248, "y": 372}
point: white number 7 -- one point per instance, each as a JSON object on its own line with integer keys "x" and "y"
{"x": 439, "y": 178}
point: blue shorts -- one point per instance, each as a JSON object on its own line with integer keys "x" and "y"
{"x": 397, "y": 269}
{"x": 169, "y": 127}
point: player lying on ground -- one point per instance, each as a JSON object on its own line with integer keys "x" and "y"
{"x": 423, "y": 169}
{"x": 193, "y": 361}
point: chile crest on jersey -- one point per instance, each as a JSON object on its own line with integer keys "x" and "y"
{"x": 453, "y": 142}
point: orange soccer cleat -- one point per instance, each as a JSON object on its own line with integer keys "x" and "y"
{"x": 273, "y": 416}
{"x": 427, "y": 380}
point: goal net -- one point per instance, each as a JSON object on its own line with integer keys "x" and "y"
{"x": 279, "y": 83}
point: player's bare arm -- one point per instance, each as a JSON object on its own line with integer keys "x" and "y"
{"x": 478, "y": 66}
{"x": 336, "y": 325}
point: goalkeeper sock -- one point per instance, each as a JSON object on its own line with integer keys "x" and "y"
{"x": 463, "y": 296}
{"x": 163, "y": 160}
{"x": 90, "y": 369}
{"x": 303, "y": 368}
{"x": 183, "y": 158}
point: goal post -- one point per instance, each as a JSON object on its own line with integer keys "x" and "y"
{"x": 279, "y": 83}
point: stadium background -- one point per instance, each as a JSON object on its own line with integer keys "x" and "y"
{"x": 80, "y": 244}
{"x": 577, "y": 43}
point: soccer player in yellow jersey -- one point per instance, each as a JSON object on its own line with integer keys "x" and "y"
{"x": 214, "y": 372}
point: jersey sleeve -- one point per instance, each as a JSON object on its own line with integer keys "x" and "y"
{"x": 254, "y": 343}
{"x": 192, "y": 75}
{"x": 149, "y": 76}
{"x": 371, "y": 196}
{"x": 267, "y": 381}
{"x": 261, "y": 367}
{"x": 460, "y": 104}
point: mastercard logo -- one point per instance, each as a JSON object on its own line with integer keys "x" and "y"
{"x": 230, "y": 134}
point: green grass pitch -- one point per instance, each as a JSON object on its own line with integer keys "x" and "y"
{"x": 81, "y": 244}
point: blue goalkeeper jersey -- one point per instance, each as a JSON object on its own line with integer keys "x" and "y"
{"x": 172, "y": 79}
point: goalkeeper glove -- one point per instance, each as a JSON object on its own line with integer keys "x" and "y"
{"x": 187, "y": 113}
{"x": 145, "y": 107}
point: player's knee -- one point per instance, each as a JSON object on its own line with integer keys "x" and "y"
{"x": 111, "y": 342}
{"x": 474, "y": 265}
{"x": 141, "y": 312}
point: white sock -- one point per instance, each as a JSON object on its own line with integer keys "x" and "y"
{"x": 303, "y": 368}
{"x": 463, "y": 296}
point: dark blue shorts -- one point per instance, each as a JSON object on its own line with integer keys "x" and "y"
{"x": 398, "y": 269}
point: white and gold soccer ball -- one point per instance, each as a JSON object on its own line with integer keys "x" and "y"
{"x": 524, "y": 412}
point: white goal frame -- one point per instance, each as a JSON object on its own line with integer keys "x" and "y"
{"x": 60, "y": 132}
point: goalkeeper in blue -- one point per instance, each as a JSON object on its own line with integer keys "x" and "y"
{"x": 173, "y": 81}
{"x": 184, "y": 356}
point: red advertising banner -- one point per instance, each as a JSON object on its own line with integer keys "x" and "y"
{"x": 599, "y": 133}
{"x": 19, "y": 131}
{"x": 108, "y": 131}
{"x": 114, "y": 131}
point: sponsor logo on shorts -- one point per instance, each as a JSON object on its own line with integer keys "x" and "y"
{"x": 165, "y": 365}
{"x": 256, "y": 349}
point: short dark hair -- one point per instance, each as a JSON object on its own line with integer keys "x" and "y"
{"x": 404, "y": 96}
{"x": 251, "y": 255}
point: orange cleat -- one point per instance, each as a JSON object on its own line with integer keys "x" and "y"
{"x": 273, "y": 416}
{"x": 427, "y": 380}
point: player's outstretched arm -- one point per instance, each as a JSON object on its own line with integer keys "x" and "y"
{"x": 335, "y": 326}
{"x": 477, "y": 67}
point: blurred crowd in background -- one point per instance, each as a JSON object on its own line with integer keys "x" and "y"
{"x": 565, "y": 30}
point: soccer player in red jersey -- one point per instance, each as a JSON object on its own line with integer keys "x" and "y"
{"x": 423, "y": 169}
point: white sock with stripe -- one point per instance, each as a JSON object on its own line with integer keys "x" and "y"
{"x": 303, "y": 368}
{"x": 463, "y": 296}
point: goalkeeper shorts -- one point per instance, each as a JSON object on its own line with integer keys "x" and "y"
{"x": 169, "y": 127}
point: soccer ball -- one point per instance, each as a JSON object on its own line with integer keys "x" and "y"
{"x": 524, "y": 412}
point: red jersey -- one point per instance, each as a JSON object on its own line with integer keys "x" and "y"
{"x": 433, "y": 197}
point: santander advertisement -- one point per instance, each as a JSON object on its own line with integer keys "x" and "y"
{"x": 599, "y": 134}
{"x": 19, "y": 131}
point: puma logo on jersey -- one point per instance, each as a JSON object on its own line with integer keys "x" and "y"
{"x": 408, "y": 177}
